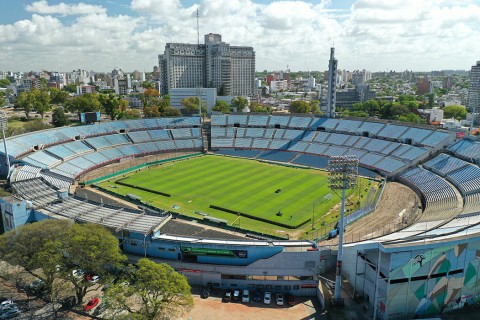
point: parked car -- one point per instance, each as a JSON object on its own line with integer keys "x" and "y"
{"x": 10, "y": 313}
{"x": 78, "y": 273}
{"x": 91, "y": 304}
{"x": 257, "y": 296}
{"x": 227, "y": 296}
{"x": 267, "y": 298}
{"x": 246, "y": 296}
{"x": 205, "y": 293}
{"x": 6, "y": 304}
{"x": 236, "y": 295}
{"x": 279, "y": 299}
{"x": 100, "y": 309}
{"x": 290, "y": 298}
{"x": 94, "y": 279}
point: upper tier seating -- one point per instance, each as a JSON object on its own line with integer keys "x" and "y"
{"x": 440, "y": 199}
{"x": 464, "y": 175}
{"x": 467, "y": 149}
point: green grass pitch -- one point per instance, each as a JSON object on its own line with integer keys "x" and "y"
{"x": 242, "y": 185}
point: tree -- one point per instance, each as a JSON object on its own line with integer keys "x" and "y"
{"x": 33, "y": 100}
{"x": 59, "y": 119}
{"x": 455, "y": 111}
{"x": 71, "y": 87}
{"x": 110, "y": 104}
{"x": 156, "y": 291}
{"x": 87, "y": 102}
{"x": 51, "y": 249}
{"x": 190, "y": 104}
{"x": 37, "y": 248}
{"x": 130, "y": 113}
{"x": 315, "y": 106}
{"x": 431, "y": 100}
{"x": 221, "y": 106}
{"x": 256, "y": 107}
{"x": 222, "y": 90}
{"x": 239, "y": 103}
{"x": 412, "y": 118}
{"x": 171, "y": 112}
{"x": 42, "y": 101}
{"x": 4, "y": 83}
{"x": 148, "y": 85}
{"x": 300, "y": 106}
{"x": 151, "y": 112}
{"x": 25, "y": 101}
{"x": 58, "y": 96}
{"x": 93, "y": 248}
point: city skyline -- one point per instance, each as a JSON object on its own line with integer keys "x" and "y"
{"x": 368, "y": 34}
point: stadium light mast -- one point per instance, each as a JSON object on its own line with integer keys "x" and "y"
{"x": 3, "y": 127}
{"x": 342, "y": 175}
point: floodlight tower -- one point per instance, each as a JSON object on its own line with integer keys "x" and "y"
{"x": 3, "y": 127}
{"x": 342, "y": 175}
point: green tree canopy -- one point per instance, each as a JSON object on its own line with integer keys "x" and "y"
{"x": 33, "y": 100}
{"x": 190, "y": 104}
{"x": 58, "y": 96}
{"x": 155, "y": 291}
{"x": 59, "y": 119}
{"x": 110, "y": 103}
{"x": 151, "y": 112}
{"x": 239, "y": 103}
{"x": 300, "y": 106}
{"x": 4, "y": 83}
{"x": 221, "y": 106}
{"x": 71, "y": 87}
{"x": 412, "y": 118}
{"x": 256, "y": 107}
{"x": 455, "y": 111}
{"x": 42, "y": 102}
{"x": 87, "y": 102}
{"x": 171, "y": 112}
{"x": 51, "y": 249}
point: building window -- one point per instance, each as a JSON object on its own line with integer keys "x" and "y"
{"x": 287, "y": 287}
{"x": 133, "y": 243}
{"x": 296, "y": 287}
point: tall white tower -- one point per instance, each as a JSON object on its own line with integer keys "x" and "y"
{"x": 332, "y": 84}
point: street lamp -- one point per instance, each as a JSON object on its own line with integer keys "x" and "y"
{"x": 342, "y": 175}
{"x": 3, "y": 127}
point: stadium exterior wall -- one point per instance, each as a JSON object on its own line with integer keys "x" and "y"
{"x": 414, "y": 279}
{"x": 226, "y": 264}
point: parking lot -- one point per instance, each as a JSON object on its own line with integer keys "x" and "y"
{"x": 213, "y": 308}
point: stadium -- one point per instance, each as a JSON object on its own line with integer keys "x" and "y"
{"x": 172, "y": 189}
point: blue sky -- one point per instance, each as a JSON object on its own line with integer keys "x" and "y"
{"x": 376, "y": 35}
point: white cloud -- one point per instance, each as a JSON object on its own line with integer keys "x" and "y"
{"x": 42, "y": 7}
{"x": 372, "y": 34}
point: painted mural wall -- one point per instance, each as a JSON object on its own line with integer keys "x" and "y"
{"x": 432, "y": 281}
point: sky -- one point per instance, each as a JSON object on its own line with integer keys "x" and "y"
{"x": 376, "y": 35}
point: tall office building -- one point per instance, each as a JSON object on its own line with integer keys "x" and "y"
{"x": 332, "y": 84}
{"x": 215, "y": 64}
{"x": 474, "y": 88}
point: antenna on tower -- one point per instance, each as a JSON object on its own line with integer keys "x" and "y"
{"x": 198, "y": 31}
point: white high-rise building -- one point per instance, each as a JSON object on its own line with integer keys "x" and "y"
{"x": 474, "y": 88}
{"x": 215, "y": 64}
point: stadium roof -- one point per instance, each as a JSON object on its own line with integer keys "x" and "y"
{"x": 111, "y": 217}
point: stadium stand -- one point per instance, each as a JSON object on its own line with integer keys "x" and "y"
{"x": 257, "y": 120}
{"x": 467, "y": 149}
{"x": 440, "y": 201}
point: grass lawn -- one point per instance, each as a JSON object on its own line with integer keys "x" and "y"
{"x": 242, "y": 185}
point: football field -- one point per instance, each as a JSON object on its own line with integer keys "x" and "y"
{"x": 262, "y": 192}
